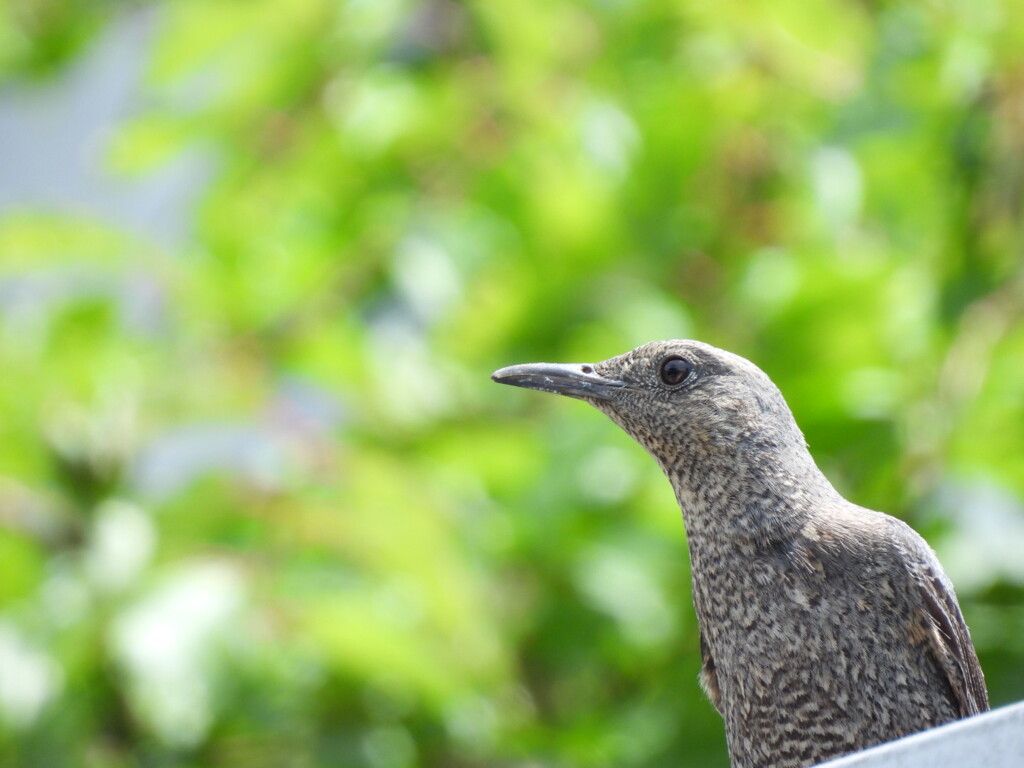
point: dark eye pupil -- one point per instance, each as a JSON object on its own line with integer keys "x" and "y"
{"x": 675, "y": 370}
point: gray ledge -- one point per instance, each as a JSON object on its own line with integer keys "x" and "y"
{"x": 992, "y": 740}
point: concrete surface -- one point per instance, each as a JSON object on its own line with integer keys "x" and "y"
{"x": 992, "y": 740}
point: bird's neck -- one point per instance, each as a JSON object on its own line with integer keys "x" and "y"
{"x": 747, "y": 504}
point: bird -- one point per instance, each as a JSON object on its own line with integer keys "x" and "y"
{"x": 825, "y": 627}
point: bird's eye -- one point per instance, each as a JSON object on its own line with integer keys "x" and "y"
{"x": 675, "y": 370}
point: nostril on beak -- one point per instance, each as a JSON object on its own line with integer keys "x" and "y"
{"x": 586, "y": 369}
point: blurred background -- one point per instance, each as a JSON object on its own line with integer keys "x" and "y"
{"x": 260, "y": 504}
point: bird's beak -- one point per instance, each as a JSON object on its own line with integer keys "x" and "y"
{"x": 572, "y": 379}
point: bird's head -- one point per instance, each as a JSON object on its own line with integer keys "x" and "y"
{"x": 684, "y": 401}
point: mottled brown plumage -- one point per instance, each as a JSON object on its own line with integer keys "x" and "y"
{"x": 825, "y": 627}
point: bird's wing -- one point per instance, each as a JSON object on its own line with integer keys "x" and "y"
{"x": 709, "y": 675}
{"x": 947, "y": 634}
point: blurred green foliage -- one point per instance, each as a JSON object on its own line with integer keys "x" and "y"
{"x": 260, "y": 504}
